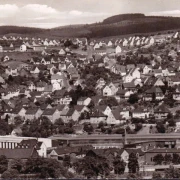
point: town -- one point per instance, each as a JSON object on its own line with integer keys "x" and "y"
{"x": 90, "y": 108}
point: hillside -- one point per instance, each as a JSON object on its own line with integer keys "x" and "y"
{"x": 112, "y": 26}
{"x": 121, "y": 25}
{"x": 19, "y": 30}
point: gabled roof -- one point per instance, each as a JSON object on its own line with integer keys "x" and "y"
{"x": 129, "y": 85}
{"x": 79, "y": 107}
{"x": 97, "y": 113}
{"x": 32, "y": 111}
{"x": 18, "y": 153}
{"x": 116, "y": 114}
{"x": 49, "y": 111}
{"x": 162, "y": 108}
{"x": 154, "y": 90}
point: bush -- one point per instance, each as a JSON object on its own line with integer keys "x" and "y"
{"x": 11, "y": 173}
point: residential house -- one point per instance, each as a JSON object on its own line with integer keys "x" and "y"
{"x": 96, "y": 117}
{"x": 35, "y": 70}
{"x": 13, "y": 71}
{"x": 105, "y": 109}
{"x": 51, "y": 113}
{"x": 157, "y": 72}
{"x": 69, "y": 114}
{"x": 161, "y": 112}
{"x": 132, "y": 74}
{"x": 119, "y": 69}
{"x": 155, "y": 93}
{"x": 33, "y": 113}
{"x": 115, "y": 118}
{"x": 176, "y": 94}
{"x": 84, "y": 101}
{"x": 110, "y": 90}
{"x": 141, "y": 113}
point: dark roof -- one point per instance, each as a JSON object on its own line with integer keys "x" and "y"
{"x": 79, "y": 107}
{"x": 17, "y": 153}
{"x": 32, "y": 111}
{"x": 162, "y": 108}
{"x": 49, "y": 111}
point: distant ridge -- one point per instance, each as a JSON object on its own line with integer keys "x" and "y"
{"x": 121, "y": 24}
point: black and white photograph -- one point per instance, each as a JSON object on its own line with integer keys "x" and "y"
{"x": 90, "y": 89}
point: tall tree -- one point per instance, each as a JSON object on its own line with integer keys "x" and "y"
{"x": 133, "y": 164}
{"x": 175, "y": 158}
{"x": 168, "y": 158}
{"x": 119, "y": 165}
{"x": 158, "y": 159}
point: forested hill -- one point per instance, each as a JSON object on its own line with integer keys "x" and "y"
{"x": 120, "y": 25}
{"x": 113, "y": 26}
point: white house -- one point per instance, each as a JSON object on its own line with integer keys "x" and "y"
{"x": 125, "y": 42}
{"x": 132, "y": 74}
{"x": 23, "y": 48}
{"x": 151, "y": 41}
{"x": 118, "y": 50}
{"x": 110, "y": 90}
{"x": 62, "y": 52}
{"x": 110, "y": 43}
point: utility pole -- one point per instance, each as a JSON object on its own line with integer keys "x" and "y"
{"x": 125, "y": 140}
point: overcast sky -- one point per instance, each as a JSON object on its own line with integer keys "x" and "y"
{"x": 53, "y": 13}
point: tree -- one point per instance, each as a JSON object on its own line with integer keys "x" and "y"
{"x": 138, "y": 126}
{"x": 5, "y": 128}
{"x": 10, "y": 173}
{"x": 172, "y": 123}
{"x": 119, "y": 165}
{"x": 133, "y": 164}
{"x": 93, "y": 166}
{"x": 175, "y": 158}
{"x": 158, "y": 159}
{"x": 133, "y": 98}
{"x": 171, "y": 173}
{"x": 101, "y": 124}
{"x": 3, "y": 163}
{"x": 67, "y": 161}
{"x": 168, "y": 158}
{"x": 17, "y": 164}
{"x": 46, "y": 168}
{"x": 59, "y": 122}
{"x": 160, "y": 127}
{"x": 88, "y": 128}
{"x": 10, "y": 78}
{"x": 110, "y": 101}
{"x": 156, "y": 175}
{"x": 18, "y": 121}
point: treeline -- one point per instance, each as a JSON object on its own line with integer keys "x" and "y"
{"x": 122, "y": 17}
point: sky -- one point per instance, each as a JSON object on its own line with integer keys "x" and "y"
{"x": 54, "y": 13}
